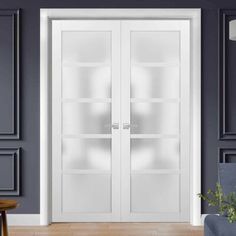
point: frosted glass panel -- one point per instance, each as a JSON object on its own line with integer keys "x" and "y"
{"x": 86, "y": 46}
{"x": 91, "y": 82}
{"x": 151, "y": 118}
{"x": 155, "y": 46}
{"x": 155, "y": 193}
{"x": 86, "y": 154}
{"x": 152, "y": 82}
{"x": 86, "y": 193}
{"x": 86, "y": 118}
{"x": 154, "y": 154}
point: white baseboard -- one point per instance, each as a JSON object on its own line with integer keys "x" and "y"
{"x": 203, "y": 218}
{"x": 34, "y": 219}
{"x": 23, "y": 219}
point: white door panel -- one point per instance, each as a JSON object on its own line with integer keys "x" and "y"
{"x": 86, "y": 92}
{"x": 120, "y": 120}
{"x": 155, "y": 150}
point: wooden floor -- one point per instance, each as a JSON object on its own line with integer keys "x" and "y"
{"x": 109, "y": 229}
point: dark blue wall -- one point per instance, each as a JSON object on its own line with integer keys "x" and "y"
{"x": 30, "y": 36}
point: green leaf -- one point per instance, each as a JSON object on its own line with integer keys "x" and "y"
{"x": 225, "y": 203}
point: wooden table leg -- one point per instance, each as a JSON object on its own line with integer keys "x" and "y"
{"x": 4, "y": 224}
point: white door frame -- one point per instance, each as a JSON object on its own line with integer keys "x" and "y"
{"x": 46, "y": 16}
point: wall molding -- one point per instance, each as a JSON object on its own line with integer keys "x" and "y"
{"x": 224, "y": 133}
{"x": 13, "y": 153}
{"x": 223, "y": 154}
{"x": 23, "y": 219}
{"x": 14, "y": 133}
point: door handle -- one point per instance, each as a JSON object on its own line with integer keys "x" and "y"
{"x": 126, "y": 125}
{"x": 115, "y": 126}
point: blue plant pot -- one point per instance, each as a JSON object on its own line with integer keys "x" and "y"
{"x": 218, "y": 226}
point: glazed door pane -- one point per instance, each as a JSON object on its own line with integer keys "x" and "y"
{"x": 86, "y": 46}
{"x": 86, "y": 193}
{"x": 86, "y": 154}
{"x": 154, "y": 118}
{"x": 152, "y": 193}
{"x": 154, "y": 154}
{"x": 86, "y": 118}
{"x": 86, "y": 82}
{"x": 154, "y": 46}
{"x": 154, "y": 82}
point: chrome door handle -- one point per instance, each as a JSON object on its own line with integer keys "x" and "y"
{"x": 126, "y": 125}
{"x": 115, "y": 126}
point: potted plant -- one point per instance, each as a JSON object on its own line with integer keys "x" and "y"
{"x": 226, "y": 203}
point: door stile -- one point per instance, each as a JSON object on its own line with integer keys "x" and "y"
{"x": 56, "y": 119}
{"x": 116, "y": 147}
{"x": 185, "y": 119}
{"x": 125, "y": 120}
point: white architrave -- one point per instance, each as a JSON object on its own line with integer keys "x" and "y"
{"x": 46, "y": 16}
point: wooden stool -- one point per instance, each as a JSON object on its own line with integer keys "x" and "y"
{"x": 6, "y": 205}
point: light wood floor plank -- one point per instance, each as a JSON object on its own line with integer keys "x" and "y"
{"x": 109, "y": 229}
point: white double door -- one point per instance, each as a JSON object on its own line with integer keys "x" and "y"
{"x": 120, "y": 120}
